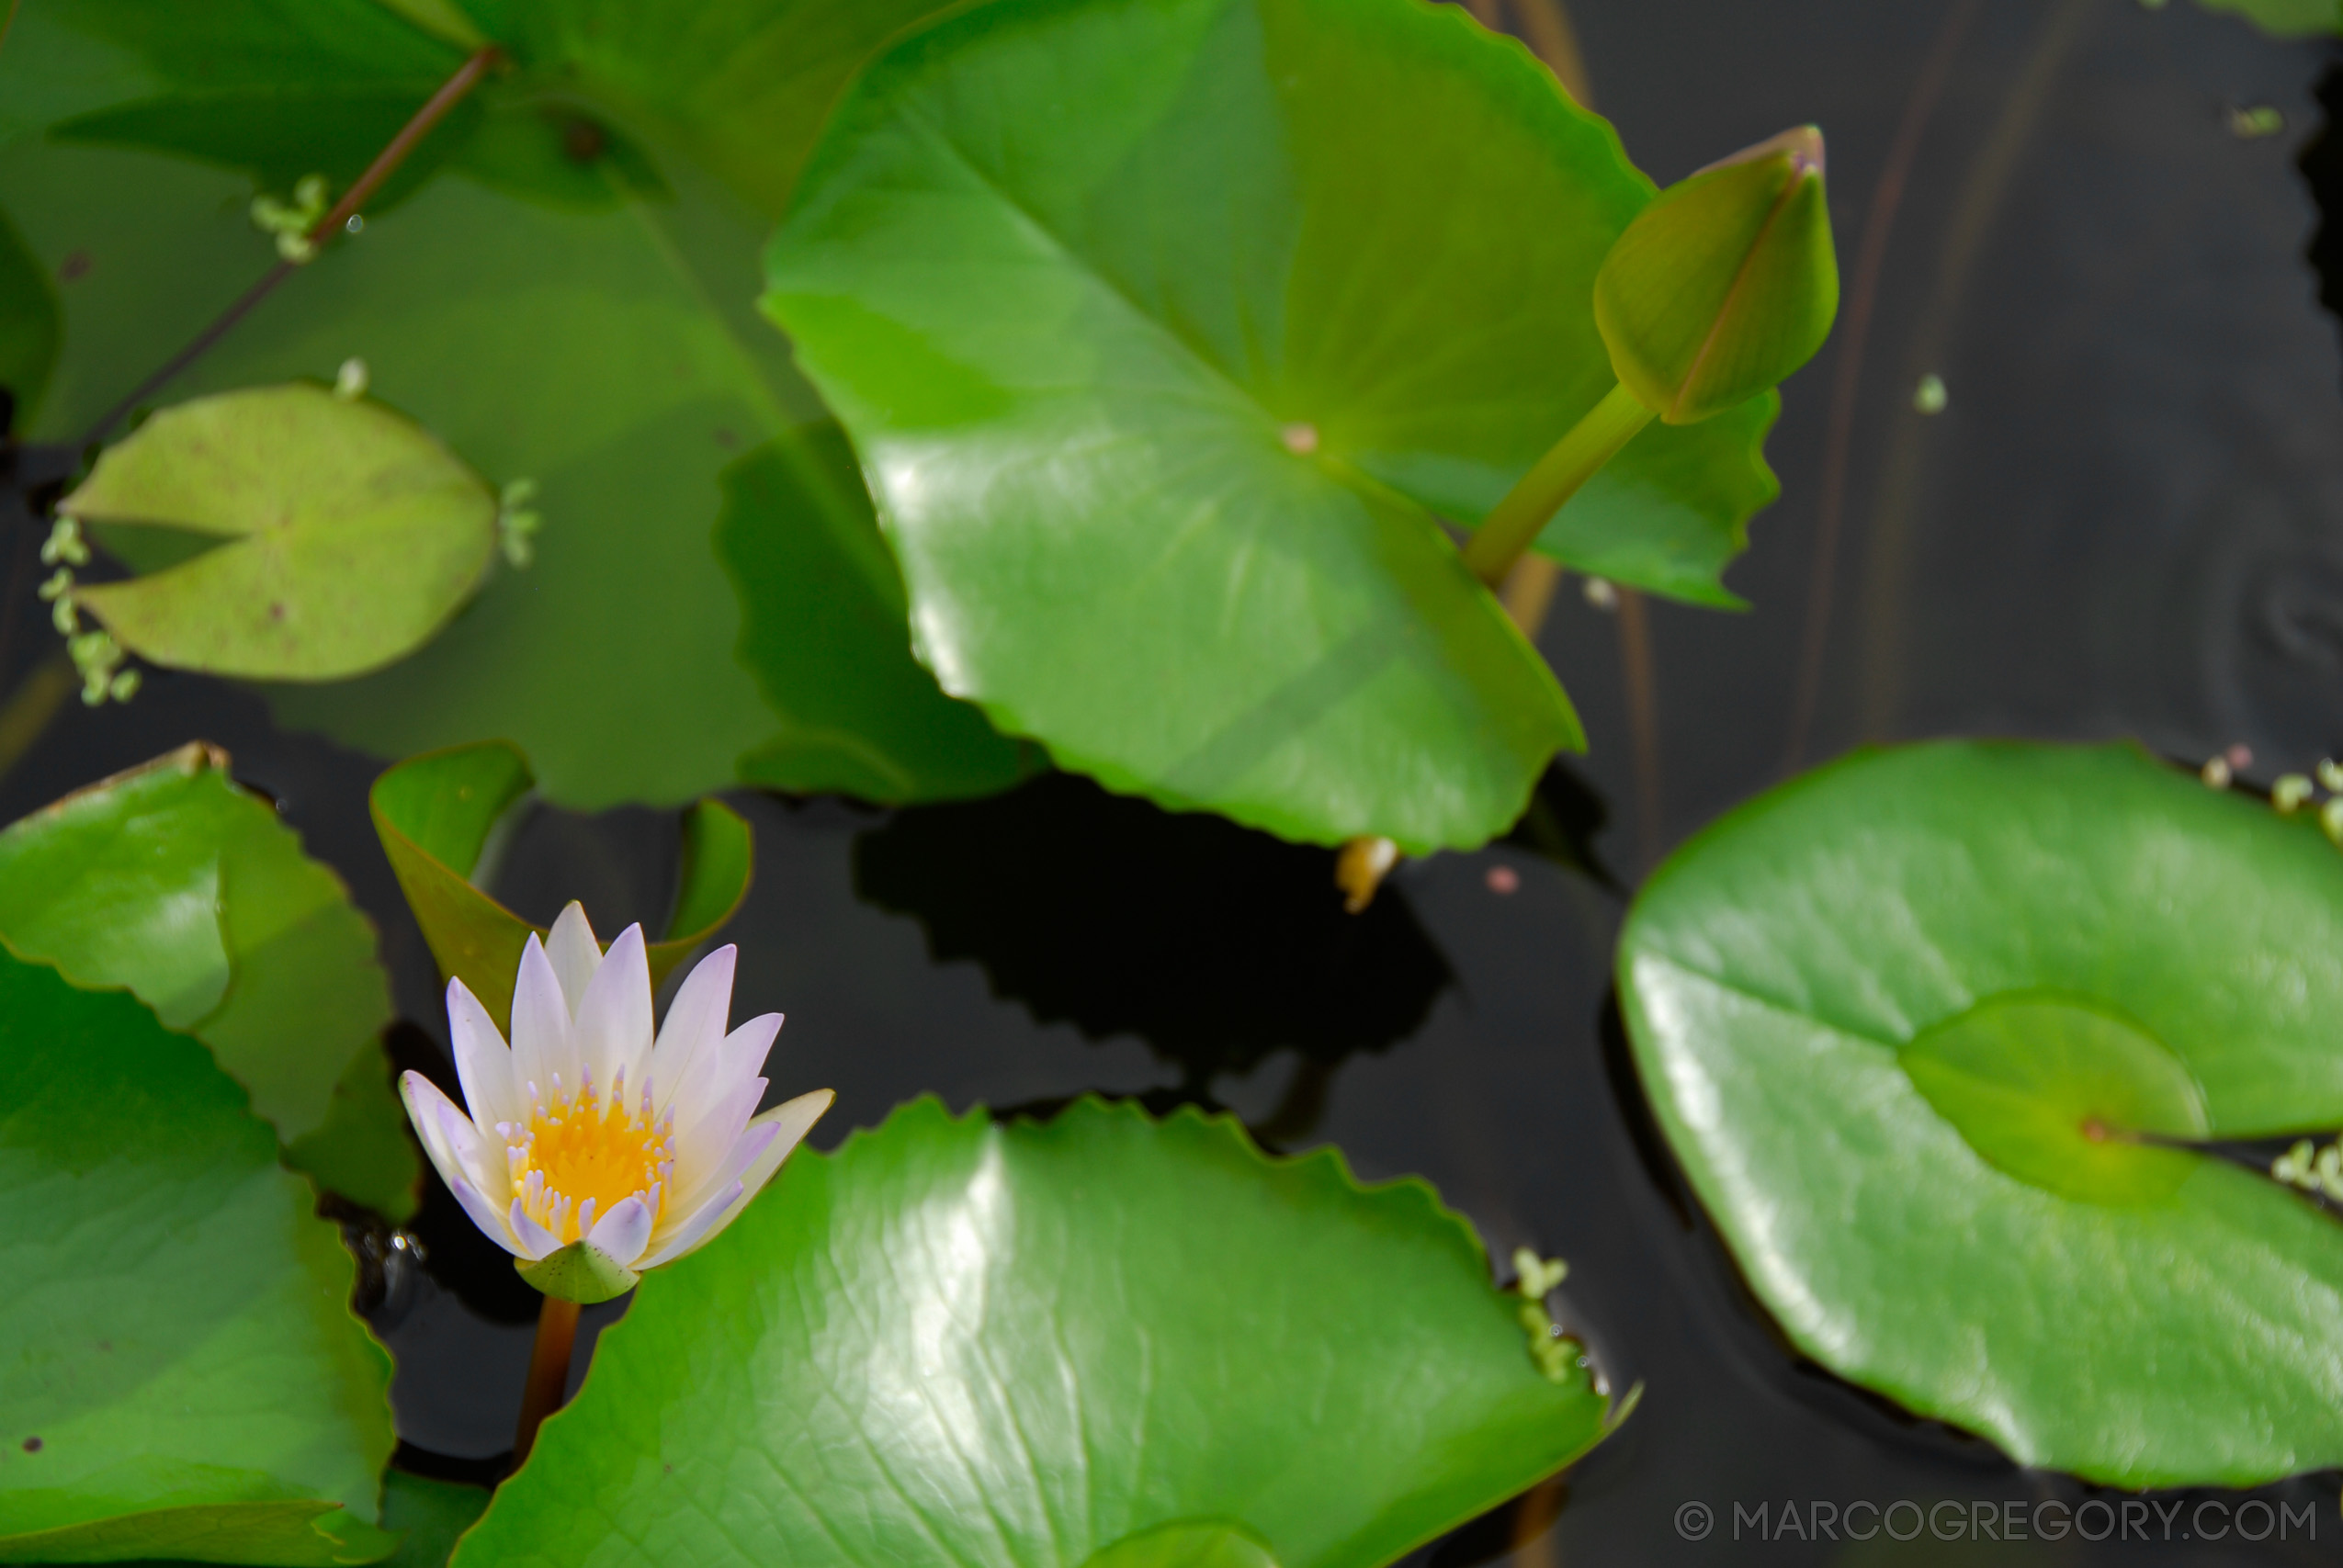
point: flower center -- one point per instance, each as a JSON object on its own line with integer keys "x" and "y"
{"x": 579, "y": 1154}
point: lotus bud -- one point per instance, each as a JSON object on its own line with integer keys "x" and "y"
{"x": 1725, "y": 284}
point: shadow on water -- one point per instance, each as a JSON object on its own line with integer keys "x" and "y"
{"x": 1215, "y": 944}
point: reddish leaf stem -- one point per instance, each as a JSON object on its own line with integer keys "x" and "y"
{"x": 386, "y": 162}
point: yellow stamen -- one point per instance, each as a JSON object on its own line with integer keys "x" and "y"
{"x": 578, "y": 1150}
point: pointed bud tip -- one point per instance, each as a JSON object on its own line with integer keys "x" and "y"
{"x": 1802, "y": 144}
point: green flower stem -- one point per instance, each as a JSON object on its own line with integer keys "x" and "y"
{"x": 1518, "y": 519}
{"x": 557, "y": 1331}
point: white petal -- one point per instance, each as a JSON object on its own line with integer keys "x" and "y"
{"x": 715, "y": 1074}
{"x": 482, "y": 1062}
{"x": 479, "y": 1155}
{"x": 704, "y": 1223}
{"x": 623, "y": 1232}
{"x": 612, "y": 1029}
{"x": 541, "y": 1040}
{"x": 795, "y": 1119}
{"x": 707, "y": 1146}
{"x": 769, "y": 1140}
{"x": 716, "y": 1174}
{"x": 535, "y": 1240}
{"x": 483, "y": 1214}
{"x": 694, "y": 1022}
{"x": 570, "y": 945}
{"x": 425, "y": 1107}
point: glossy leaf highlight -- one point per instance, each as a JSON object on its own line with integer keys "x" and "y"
{"x": 1168, "y": 407}
{"x": 958, "y": 1341}
{"x": 1908, "y": 1022}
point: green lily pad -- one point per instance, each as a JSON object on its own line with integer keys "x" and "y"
{"x": 27, "y": 325}
{"x": 352, "y": 534}
{"x": 1186, "y": 1545}
{"x": 1935, "y": 1032}
{"x": 1156, "y": 396}
{"x": 565, "y": 294}
{"x": 435, "y": 814}
{"x": 434, "y": 1514}
{"x": 824, "y": 626}
{"x": 184, "y": 1378}
{"x": 953, "y": 1341}
{"x": 172, "y": 881}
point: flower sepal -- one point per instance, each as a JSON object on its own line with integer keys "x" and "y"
{"x": 580, "y": 1272}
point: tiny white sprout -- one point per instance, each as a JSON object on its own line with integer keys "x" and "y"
{"x": 516, "y": 522}
{"x": 2330, "y": 777}
{"x": 1601, "y": 594}
{"x": 1929, "y": 397}
{"x": 350, "y": 380}
{"x": 2294, "y": 1166}
{"x": 1535, "y": 1276}
{"x": 2330, "y": 821}
{"x": 2216, "y": 773}
{"x": 2289, "y": 793}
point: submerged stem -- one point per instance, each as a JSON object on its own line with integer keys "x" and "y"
{"x": 1522, "y": 515}
{"x": 557, "y": 1331}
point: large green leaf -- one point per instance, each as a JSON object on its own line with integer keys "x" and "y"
{"x": 435, "y": 814}
{"x": 568, "y": 299}
{"x": 958, "y": 1342}
{"x": 1157, "y": 396}
{"x": 346, "y": 535}
{"x": 1933, "y": 1031}
{"x": 824, "y": 628}
{"x": 183, "y": 1376}
{"x": 172, "y": 881}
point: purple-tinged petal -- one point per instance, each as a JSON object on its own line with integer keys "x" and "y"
{"x": 720, "y": 1173}
{"x": 792, "y": 1120}
{"x": 702, "y": 1226}
{"x": 535, "y": 1240}
{"x": 483, "y": 1064}
{"x": 483, "y": 1214}
{"x": 702, "y": 1147}
{"x": 624, "y": 1231}
{"x": 696, "y": 1021}
{"x": 718, "y": 1072}
{"x": 424, "y": 1106}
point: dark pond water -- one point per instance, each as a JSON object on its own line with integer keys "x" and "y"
{"x": 2122, "y": 522}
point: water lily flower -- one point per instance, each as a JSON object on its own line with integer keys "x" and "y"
{"x": 594, "y": 1151}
